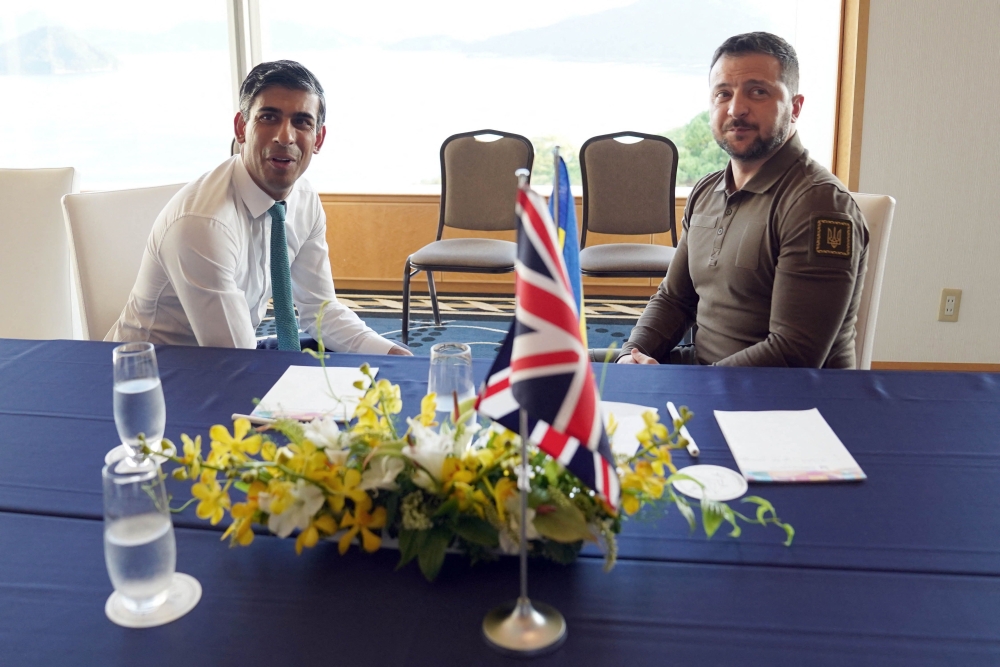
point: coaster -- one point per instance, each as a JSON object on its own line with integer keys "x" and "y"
{"x": 185, "y": 592}
{"x": 720, "y": 483}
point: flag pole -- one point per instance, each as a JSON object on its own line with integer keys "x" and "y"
{"x": 555, "y": 185}
{"x": 519, "y": 627}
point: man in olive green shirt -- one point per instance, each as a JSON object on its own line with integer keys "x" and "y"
{"x": 771, "y": 261}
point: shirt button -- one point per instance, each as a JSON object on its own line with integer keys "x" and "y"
{"x": 720, "y": 232}
{"x": 729, "y": 211}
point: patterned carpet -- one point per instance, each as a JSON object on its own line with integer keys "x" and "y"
{"x": 479, "y": 320}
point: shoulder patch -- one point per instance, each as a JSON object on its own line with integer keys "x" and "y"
{"x": 833, "y": 238}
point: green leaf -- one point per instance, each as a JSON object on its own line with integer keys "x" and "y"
{"x": 242, "y": 486}
{"x": 410, "y": 543}
{"x": 564, "y": 554}
{"x": 685, "y": 510}
{"x": 431, "y": 555}
{"x": 763, "y": 507}
{"x": 565, "y": 524}
{"x": 711, "y": 516}
{"x": 789, "y": 531}
{"x": 475, "y": 530}
{"x": 448, "y": 508}
{"x": 730, "y": 516}
{"x": 391, "y": 507}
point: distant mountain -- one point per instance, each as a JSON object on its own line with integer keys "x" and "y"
{"x": 53, "y": 50}
{"x": 681, "y": 34}
{"x": 188, "y": 36}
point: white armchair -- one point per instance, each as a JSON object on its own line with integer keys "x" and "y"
{"x": 878, "y": 210}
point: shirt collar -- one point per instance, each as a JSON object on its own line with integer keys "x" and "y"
{"x": 770, "y": 171}
{"x": 256, "y": 200}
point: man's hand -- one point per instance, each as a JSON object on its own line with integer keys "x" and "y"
{"x": 399, "y": 351}
{"x": 636, "y": 357}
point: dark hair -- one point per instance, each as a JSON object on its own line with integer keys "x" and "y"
{"x": 284, "y": 73}
{"x": 769, "y": 45}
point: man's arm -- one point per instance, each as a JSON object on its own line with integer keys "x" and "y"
{"x": 312, "y": 284}
{"x": 200, "y": 256}
{"x": 814, "y": 281}
{"x": 668, "y": 315}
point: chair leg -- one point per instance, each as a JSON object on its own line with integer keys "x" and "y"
{"x": 434, "y": 299}
{"x": 406, "y": 301}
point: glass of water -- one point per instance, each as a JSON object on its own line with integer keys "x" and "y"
{"x": 139, "y": 546}
{"x": 139, "y": 406}
{"x": 451, "y": 374}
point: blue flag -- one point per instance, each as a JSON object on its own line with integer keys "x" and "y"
{"x": 566, "y": 226}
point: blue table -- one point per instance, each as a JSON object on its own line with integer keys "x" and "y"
{"x": 900, "y": 569}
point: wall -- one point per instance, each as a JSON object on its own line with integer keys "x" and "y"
{"x": 931, "y": 140}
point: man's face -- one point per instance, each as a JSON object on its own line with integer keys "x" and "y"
{"x": 279, "y": 138}
{"x": 752, "y": 109}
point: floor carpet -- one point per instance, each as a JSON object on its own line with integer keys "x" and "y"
{"x": 479, "y": 320}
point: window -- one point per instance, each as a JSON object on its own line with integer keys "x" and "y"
{"x": 131, "y": 94}
{"x": 401, "y": 76}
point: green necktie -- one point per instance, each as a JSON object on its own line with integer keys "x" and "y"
{"x": 281, "y": 282}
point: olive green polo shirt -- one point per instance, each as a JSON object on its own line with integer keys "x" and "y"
{"x": 771, "y": 273}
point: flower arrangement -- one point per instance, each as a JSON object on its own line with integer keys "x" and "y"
{"x": 430, "y": 487}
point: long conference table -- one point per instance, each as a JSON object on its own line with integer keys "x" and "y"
{"x": 900, "y": 569}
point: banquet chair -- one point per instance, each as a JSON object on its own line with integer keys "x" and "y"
{"x": 878, "y": 210}
{"x": 35, "y": 296}
{"x": 628, "y": 188}
{"x": 107, "y": 236}
{"x": 478, "y": 192}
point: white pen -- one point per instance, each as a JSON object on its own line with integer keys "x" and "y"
{"x": 692, "y": 447}
{"x": 254, "y": 420}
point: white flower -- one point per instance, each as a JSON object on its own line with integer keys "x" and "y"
{"x": 381, "y": 473}
{"x": 325, "y": 433}
{"x": 429, "y": 450}
{"x": 307, "y": 501}
{"x": 510, "y": 539}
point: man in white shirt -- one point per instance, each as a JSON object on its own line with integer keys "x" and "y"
{"x": 206, "y": 273}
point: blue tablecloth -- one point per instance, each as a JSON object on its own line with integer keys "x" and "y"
{"x": 263, "y": 605}
{"x": 929, "y": 442}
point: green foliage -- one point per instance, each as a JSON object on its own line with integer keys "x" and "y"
{"x": 698, "y": 154}
{"x": 542, "y": 170}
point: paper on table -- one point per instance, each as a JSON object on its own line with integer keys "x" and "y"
{"x": 629, "y": 418}
{"x": 302, "y": 393}
{"x": 787, "y": 446}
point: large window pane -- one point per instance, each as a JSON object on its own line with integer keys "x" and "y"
{"x": 401, "y": 76}
{"x": 129, "y": 93}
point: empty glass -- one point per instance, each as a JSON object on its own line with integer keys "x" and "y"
{"x": 139, "y": 406}
{"x": 139, "y": 546}
{"x": 451, "y": 374}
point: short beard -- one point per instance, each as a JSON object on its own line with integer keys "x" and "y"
{"x": 760, "y": 149}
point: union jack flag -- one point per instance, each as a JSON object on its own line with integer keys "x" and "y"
{"x": 543, "y": 363}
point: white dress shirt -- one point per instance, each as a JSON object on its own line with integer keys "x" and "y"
{"x": 205, "y": 276}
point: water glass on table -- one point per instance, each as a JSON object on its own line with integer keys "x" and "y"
{"x": 139, "y": 546}
{"x": 451, "y": 374}
{"x": 140, "y": 413}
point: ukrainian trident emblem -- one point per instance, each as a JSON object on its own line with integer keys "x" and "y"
{"x": 834, "y": 237}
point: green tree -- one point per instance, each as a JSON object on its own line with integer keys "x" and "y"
{"x": 541, "y": 172}
{"x": 698, "y": 154}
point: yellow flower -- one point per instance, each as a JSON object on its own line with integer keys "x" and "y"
{"x": 308, "y": 538}
{"x": 654, "y": 431}
{"x": 241, "y": 529}
{"x": 268, "y": 451}
{"x": 214, "y": 499}
{"x": 635, "y": 483}
{"x": 382, "y": 397}
{"x": 343, "y": 486}
{"x": 280, "y": 496}
{"x": 363, "y": 521}
{"x": 662, "y": 459}
{"x": 455, "y": 471}
{"x": 232, "y": 448}
{"x": 505, "y": 488}
{"x": 428, "y": 408}
{"x": 192, "y": 455}
{"x": 307, "y": 460}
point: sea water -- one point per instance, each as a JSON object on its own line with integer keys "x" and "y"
{"x": 141, "y": 555}
{"x": 139, "y": 408}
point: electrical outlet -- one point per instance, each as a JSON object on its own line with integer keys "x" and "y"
{"x": 951, "y": 300}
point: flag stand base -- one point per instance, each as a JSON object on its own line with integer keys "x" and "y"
{"x": 522, "y": 629}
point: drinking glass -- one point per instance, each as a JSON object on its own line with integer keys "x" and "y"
{"x": 451, "y": 373}
{"x": 139, "y": 547}
{"x": 139, "y": 406}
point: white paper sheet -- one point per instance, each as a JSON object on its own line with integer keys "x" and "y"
{"x": 787, "y": 446}
{"x": 303, "y": 393}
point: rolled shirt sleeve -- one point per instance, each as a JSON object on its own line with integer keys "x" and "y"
{"x": 312, "y": 285}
